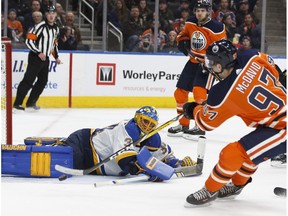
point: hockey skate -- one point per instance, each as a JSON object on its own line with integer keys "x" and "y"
{"x": 230, "y": 191}
{"x": 177, "y": 131}
{"x": 279, "y": 161}
{"x": 17, "y": 108}
{"x": 193, "y": 134}
{"x": 202, "y": 197}
{"x": 32, "y": 108}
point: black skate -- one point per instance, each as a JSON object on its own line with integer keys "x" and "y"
{"x": 279, "y": 161}
{"x": 18, "y": 107}
{"x": 202, "y": 197}
{"x": 193, "y": 134}
{"x": 177, "y": 131}
{"x": 230, "y": 191}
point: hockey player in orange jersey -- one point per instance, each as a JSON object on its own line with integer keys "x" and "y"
{"x": 249, "y": 88}
{"x": 193, "y": 40}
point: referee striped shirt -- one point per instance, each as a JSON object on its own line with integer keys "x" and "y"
{"x": 42, "y": 38}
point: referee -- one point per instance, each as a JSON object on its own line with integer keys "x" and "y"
{"x": 42, "y": 42}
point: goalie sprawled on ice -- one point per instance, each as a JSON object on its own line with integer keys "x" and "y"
{"x": 91, "y": 146}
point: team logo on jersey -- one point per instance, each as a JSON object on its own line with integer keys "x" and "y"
{"x": 198, "y": 40}
{"x": 105, "y": 74}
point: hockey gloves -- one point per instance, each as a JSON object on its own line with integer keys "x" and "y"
{"x": 154, "y": 178}
{"x": 282, "y": 75}
{"x": 205, "y": 70}
{"x": 184, "y": 46}
{"x": 188, "y": 109}
{"x": 187, "y": 161}
{"x": 174, "y": 162}
{"x": 132, "y": 167}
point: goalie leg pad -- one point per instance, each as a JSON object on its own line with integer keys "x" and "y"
{"x": 153, "y": 166}
{"x": 35, "y": 161}
{"x": 44, "y": 140}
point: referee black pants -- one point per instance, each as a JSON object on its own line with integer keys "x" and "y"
{"x": 36, "y": 69}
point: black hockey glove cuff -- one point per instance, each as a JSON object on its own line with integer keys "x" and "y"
{"x": 188, "y": 109}
{"x": 205, "y": 70}
{"x": 282, "y": 75}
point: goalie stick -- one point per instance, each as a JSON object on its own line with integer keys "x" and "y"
{"x": 187, "y": 171}
{"x": 279, "y": 191}
{"x": 71, "y": 171}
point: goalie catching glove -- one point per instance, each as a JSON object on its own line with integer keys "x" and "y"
{"x": 174, "y": 162}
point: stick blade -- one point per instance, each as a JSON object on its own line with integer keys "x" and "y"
{"x": 189, "y": 171}
{"x": 68, "y": 171}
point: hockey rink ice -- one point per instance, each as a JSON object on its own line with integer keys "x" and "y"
{"x": 77, "y": 196}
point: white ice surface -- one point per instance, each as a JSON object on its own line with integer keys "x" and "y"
{"x": 78, "y": 197}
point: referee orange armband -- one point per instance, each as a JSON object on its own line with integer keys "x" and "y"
{"x": 31, "y": 36}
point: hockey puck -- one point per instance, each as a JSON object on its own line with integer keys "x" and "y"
{"x": 62, "y": 177}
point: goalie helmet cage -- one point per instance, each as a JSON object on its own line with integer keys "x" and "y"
{"x": 6, "y": 91}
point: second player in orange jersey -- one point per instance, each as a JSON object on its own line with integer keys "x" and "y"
{"x": 199, "y": 32}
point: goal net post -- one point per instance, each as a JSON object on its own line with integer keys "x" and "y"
{"x": 6, "y": 91}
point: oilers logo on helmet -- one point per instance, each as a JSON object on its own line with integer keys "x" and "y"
{"x": 198, "y": 40}
{"x": 215, "y": 49}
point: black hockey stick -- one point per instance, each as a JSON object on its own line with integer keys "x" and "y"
{"x": 201, "y": 153}
{"x": 204, "y": 68}
{"x": 71, "y": 171}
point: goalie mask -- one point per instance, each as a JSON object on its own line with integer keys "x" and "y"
{"x": 220, "y": 52}
{"x": 146, "y": 118}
